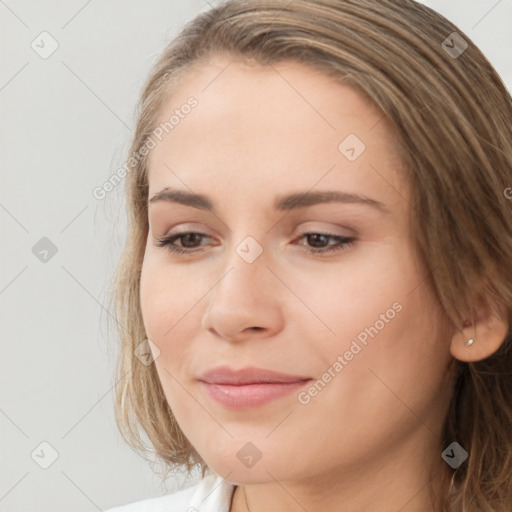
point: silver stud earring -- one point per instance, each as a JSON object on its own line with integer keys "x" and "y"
{"x": 469, "y": 342}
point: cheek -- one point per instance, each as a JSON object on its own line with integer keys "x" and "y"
{"x": 165, "y": 297}
{"x": 353, "y": 295}
{"x": 384, "y": 318}
{"x": 169, "y": 307}
{"x": 154, "y": 303}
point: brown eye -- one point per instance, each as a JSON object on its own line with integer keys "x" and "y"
{"x": 318, "y": 240}
{"x": 189, "y": 240}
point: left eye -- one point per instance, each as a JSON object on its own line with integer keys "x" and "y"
{"x": 190, "y": 238}
{"x": 344, "y": 242}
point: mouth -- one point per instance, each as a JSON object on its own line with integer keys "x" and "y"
{"x": 249, "y": 387}
{"x": 250, "y": 395}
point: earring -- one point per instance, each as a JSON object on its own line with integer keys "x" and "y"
{"x": 469, "y": 342}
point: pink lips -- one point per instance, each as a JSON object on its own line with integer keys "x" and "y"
{"x": 249, "y": 387}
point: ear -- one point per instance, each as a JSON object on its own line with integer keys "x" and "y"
{"x": 488, "y": 330}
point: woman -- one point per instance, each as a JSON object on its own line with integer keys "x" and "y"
{"x": 315, "y": 296}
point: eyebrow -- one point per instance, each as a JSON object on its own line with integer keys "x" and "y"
{"x": 287, "y": 202}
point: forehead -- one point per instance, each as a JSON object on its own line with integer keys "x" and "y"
{"x": 268, "y": 126}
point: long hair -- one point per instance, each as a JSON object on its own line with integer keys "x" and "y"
{"x": 453, "y": 119}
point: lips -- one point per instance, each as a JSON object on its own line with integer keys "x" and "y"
{"x": 248, "y": 375}
{"x": 249, "y": 387}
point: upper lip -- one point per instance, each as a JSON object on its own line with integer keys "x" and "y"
{"x": 248, "y": 375}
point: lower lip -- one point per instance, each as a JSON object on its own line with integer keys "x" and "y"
{"x": 250, "y": 395}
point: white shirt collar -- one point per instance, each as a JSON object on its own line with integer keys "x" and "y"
{"x": 213, "y": 494}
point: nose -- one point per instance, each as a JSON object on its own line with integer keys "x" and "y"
{"x": 245, "y": 303}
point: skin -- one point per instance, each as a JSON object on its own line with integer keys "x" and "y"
{"x": 366, "y": 440}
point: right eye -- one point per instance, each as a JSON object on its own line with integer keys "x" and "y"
{"x": 189, "y": 238}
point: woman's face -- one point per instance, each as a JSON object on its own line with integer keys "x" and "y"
{"x": 360, "y": 322}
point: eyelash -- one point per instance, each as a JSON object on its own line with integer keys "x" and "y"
{"x": 344, "y": 243}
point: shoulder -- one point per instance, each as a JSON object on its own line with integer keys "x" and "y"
{"x": 211, "y": 494}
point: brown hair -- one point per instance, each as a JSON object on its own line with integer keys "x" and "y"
{"x": 453, "y": 120}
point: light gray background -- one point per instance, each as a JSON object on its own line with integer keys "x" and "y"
{"x": 65, "y": 126}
